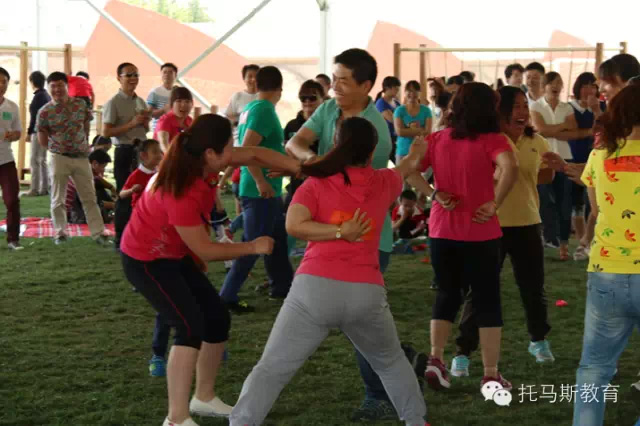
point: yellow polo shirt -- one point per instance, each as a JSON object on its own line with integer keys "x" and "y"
{"x": 522, "y": 205}
{"x": 616, "y": 180}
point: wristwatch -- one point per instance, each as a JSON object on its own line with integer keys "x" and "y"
{"x": 433, "y": 195}
{"x": 339, "y": 232}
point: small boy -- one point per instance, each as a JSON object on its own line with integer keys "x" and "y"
{"x": 75, "y": 213}
{"x": 409, "y": 220}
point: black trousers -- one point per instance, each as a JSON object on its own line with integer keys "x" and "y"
{"x": 184, "y": 296}
{"x": 124, "y": 163}
{"x": 523, "y": 244}
{"x": 463, "y": 265}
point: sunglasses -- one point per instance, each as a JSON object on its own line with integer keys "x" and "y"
{"x": 309, "y": 98}
{"x": 130, "y": 75}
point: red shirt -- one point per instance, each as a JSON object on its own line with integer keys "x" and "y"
{"x": 151, "y": 233}
{"x": 331, "y": 201}
{"x": 235, "y": 177}
{"x": 417, "y": 216}
{"x": 171, "y": 124}
{"x": 464, "y": 168}
{"x": 79, "y": 86}
{"x": 140, "y": 176}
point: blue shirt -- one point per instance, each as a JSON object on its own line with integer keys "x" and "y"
{"x": 404, "y": 143}
{"x": 581, "y": 148}
{"x": 382, "y": 106}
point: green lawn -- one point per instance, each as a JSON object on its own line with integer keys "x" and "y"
{"x": 75, "y": 340}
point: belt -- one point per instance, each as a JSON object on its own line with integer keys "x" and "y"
{"x": 74, "y": 155}
{"x": 124, "y": 146}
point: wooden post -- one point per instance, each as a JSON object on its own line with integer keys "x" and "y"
{"x": 24, "y": 81}
{"x": 67, "y": 59}
{"x": 623, "y": 47}
{"x": 99, "y": 120}
{"x": 196, "y": 112}
{"x": 396, "y": 60}
{"x": 599, "y": 56}
{"x": 423, "y": 75}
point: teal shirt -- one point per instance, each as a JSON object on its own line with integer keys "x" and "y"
{"x": 260, "y": 116}
{"x": 404, "y": 143}
{"x": 323, "y": 124}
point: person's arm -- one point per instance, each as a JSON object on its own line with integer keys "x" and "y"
{"x": 163, "y": 138}
{"x": 262, "y": 158}
{"x": 87, "y": 128}
{"x": 428, "y": 126}
{"x": 396, "y": 224}
{"x": 109, "y": 205}
{"x": 301, "y": 225}
{"x": 507, "y": 163}
{"x": 388, "y": 115}
{"x": 109, "y": 130}
{"x": 43, "y": 138}
{"x": 152, "y": 102}
{"x": 199, "y": 242}
{"x": 126, "y": 193}
{"x": 545, "y": 176}
{"x": 591, "y": 193}
{"x": 446, "y": 200}
{"x": 574, "y": 132}
{"x": 547, "y": 130}
{"x": 226, "y": 176}
{"x": 253, "y": 139}
{"x": 404, "y": 131}
{"x": 411, "y": 162}
{"x": 299, "y": 146}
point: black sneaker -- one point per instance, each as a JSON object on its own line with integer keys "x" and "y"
{"x": 418, "y": 361}
{"x": 240, "y": 307}
{"x": 373, "y": 410}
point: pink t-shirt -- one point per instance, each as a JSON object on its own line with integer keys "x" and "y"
{"x": 331, "y": 201}
{"x": 169, "y": 123}
{"x": 151, "y": 233}
{"x": 464, "y": 168}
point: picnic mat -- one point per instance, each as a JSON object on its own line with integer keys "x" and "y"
{"x": 40, "y": 227}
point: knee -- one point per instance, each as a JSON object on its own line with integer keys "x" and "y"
{"x": 217, "y": 325}
{"x": 189, "y": 334}
{"x": 11, "y": 200}
{"x": 448, "y": 302}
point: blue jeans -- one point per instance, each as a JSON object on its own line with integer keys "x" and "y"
{"x": 373, "y": 387}
{"x": 262, "y": 217}
{"x": 237, "y": 223}
{"x": 160, "y": 340}
{"x": 612, "y": 312}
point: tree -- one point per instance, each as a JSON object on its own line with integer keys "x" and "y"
{"x": 197, "y": 13}
{"x": 174, "y": 9}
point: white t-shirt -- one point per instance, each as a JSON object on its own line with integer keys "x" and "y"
{"x": 551, "y": 117}
{"x": 237, "y": 104}
{"x": 9, "y": 122}
{"x": 157, "y": 99}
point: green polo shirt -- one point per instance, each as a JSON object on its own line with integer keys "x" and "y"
{"x": 323, "y": 124}
{"x": 260, "y": 116}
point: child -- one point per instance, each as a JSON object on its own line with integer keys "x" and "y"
{"x": 408, "y": 220}
{"x": 100, "y": 142}
{"x": 75, "y": 213}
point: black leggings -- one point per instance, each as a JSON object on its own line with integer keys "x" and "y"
{"x": 184, "y": 296}
{"x": 523, "y": 244}
{"x": 463, "y": 265}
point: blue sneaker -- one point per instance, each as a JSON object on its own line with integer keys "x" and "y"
{"x": 542, "y": 351}
{"x": 460, "y": 366}
{"x": 157, "y": 366}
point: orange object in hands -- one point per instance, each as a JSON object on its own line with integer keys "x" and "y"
{"x": 338, "y": 217}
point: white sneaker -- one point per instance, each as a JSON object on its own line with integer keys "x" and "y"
{"x": 213, "y": 408}
{"x": 636, "y": 386}
{"x": 15, "y": 246}
{"x": 188, "y": 422}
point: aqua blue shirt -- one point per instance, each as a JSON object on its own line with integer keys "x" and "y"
{"x": 323, "y": 124}
{"x": 404, "y": 143}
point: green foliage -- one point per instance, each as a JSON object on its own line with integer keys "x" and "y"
{"x": 189, "y": 12}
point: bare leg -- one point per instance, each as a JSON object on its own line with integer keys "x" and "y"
{"x": 207, "y": 367}
{"x": 490, "y": 338}
{"x": 589, "y": 231}
{"x": 440, "y": 331}
{"x": 579, "y": 226}
{"x": 180, "y": 368}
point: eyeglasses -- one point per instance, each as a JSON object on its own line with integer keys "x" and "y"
{"x": 130, "y": 75}
{"x": 309, "y": 98}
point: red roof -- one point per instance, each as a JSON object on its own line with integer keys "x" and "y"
{"x": 217, "y": 77}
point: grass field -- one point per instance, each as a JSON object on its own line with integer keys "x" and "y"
{"x": 75, "y": 341}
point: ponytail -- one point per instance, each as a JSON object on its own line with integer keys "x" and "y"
{"x": 379, "y": 95}
{"x": 356, "y": 139}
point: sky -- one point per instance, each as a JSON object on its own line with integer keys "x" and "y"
{"x": 291, "y": 28}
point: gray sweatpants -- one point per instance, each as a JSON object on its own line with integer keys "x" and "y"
{"x": 314, "y": 306}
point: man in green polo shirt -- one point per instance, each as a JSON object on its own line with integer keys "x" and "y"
{"x": 354, "y": 74}
{"x": 260, "y": 195}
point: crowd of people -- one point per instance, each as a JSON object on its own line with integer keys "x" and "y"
{"x": 479, "y": 174}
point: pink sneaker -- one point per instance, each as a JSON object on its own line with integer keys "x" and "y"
{"x": 437, "y": 375}
{"x": 506, "y": 385}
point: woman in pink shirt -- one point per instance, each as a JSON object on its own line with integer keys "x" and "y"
{"x": 340, "y": 210}
{"x": 463, "y": 227}
{"x": 165, "y": 244}
{"x": 177, "y": 119}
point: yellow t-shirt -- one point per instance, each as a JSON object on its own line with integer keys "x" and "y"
{"x": 522, "y": 206}
{"x": 616, "y": 180}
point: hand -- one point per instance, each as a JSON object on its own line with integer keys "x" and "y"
{"x": 414, "y": 125}
{"x": 114, "y": 193}
{"x": 421, "y": 227}
{"x": 12, "y": 136}
{"x": 262, "y": 245}
{"x": 223, "y": 186}
{"x": 593, "y": 103}
{"x": 265, "y": 189}
{"x": 485, "y": 212}
{"x": 353, "y": 229}
{"x": 214, "y": 109}
{"x": 554, "y": 161}
{"x": 446, "y": 200}
{"x": 574, "y": 172}
{"x": 406, "y": 214}
{"x": 136, "y": 188}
